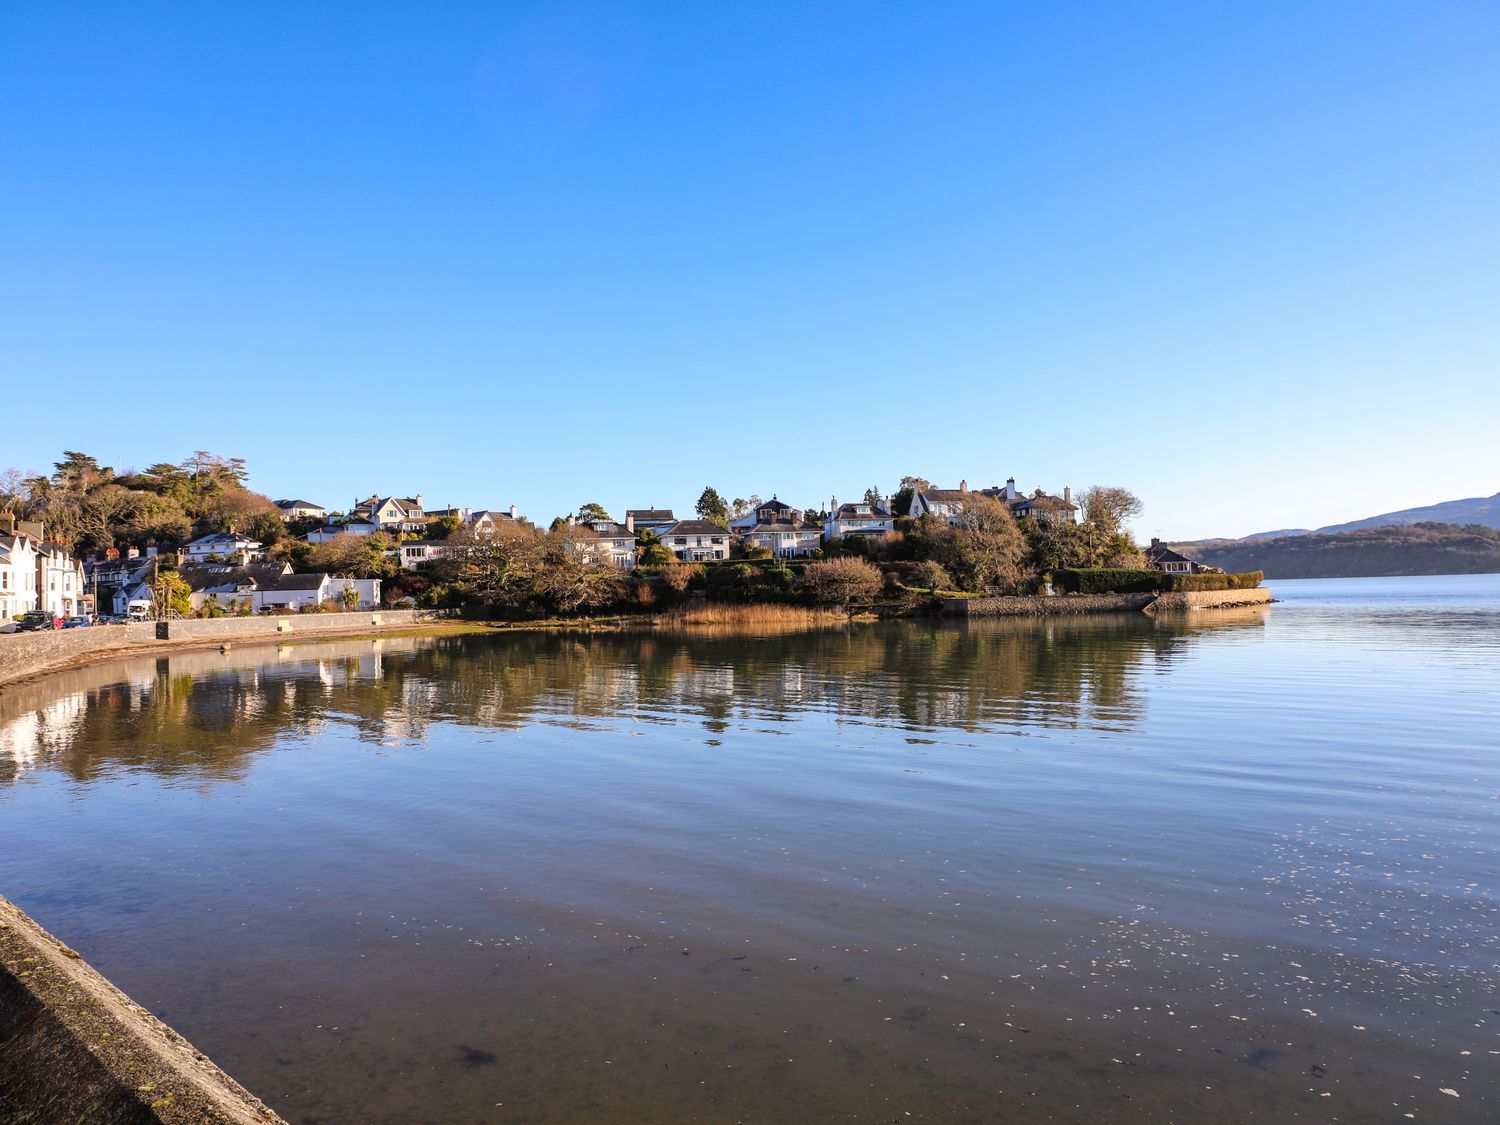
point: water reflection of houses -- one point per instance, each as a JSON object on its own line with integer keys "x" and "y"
{"x": 208, "y": 714}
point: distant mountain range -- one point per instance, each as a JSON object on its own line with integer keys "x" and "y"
{"x": 1365, "y": 552}
{"x": 1483, "y": 510}
{"x": 1455, "y": 537}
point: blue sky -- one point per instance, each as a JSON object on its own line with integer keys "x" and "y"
{"x": 1239, "y": 258}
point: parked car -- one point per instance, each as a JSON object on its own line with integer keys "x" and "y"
{"x": 35, "y": 620}
{"x": 8, "y": 627}
{"x": 77, "y": 623}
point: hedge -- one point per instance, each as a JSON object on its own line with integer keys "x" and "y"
{"x": 1105, "y": 581}
{"x": 1182, "y": 583}
{"x": 1100, "y": 580}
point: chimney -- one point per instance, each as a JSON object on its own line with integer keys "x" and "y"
{"x": 132, "y": 552}
{"x": 512, "y": 511}
{"x": 1067, "y": 495}
{"x": 418, "y": 499}
{"x": 1010, "y": 488}
{"x": 629, "y": 523}
{"x": 1155, "y": 542}
{"x": 963, "y": 486}
{"x": 572, "y": 520}
{"x": 8, "y": 522}
{"x": 112, "y": 554}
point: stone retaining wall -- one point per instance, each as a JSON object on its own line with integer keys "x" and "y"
{"x": 28, "y": 654}
{"x": 73, "y": 1048}
{"x": 1046, "y": 607}
{"x": 1102, "y": 603}
{"x": 1210, "y": 599}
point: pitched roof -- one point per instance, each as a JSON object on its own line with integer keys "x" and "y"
{"x": 298, "y": 504}
{"x": 608, "y": 529}
{"x": 945, "y": 495}
{"x": 201, "y": 578}
{"x": 290, "y": 582}
{"x": 224, "y": 537}
{"x": 656, "y": 515}
{"x": 851, "y": 512}
{"x": 1049, "y": 503}
{"x": 694, "y": 527}
{"x": 1156, "y": 553}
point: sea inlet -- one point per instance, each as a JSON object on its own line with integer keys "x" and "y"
{"x": 1225, "y": 867}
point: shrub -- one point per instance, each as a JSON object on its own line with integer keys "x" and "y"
{"x": 840, "y": 581}
{"x": 930, "y": 576}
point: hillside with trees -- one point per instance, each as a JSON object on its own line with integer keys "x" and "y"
{"x": 92, "y": 507}
{"x": 1372, "y": 552}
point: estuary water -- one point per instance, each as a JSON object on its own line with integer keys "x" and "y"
{"x": 1222, "y": 867}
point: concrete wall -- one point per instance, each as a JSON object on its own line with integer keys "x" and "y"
{"x": 1102, "y": 603}
{"x": 28, "y": 654}
{"x": 73, "y": 1048}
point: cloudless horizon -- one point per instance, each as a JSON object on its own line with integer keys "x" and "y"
{"x": 1240, "y": 260}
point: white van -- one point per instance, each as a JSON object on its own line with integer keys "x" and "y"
{"x": 138, "y": 610}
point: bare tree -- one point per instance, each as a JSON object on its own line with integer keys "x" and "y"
{"x": 1109, "y": 507}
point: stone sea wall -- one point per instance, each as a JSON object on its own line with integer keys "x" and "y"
{"x": 28, "y": 654}
{"x": 74, "y": 1048}
{"x": 1065, "y": 604}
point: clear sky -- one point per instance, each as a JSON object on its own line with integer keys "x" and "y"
{"x": 1241, "y": 258}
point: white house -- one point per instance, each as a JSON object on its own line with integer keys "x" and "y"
{"x": 59, "y": 580}
{"x": 859, "y": 518}
{"x": 485, "y": 521}
{"x": 696, "y": 540}
{"x": 616, "y": 541}
{"x": 392, "y": 513}
{"x": 781, "y": 529}
{"x": 227, "y": 546}
{"x": 18, "y": 571}
{"x": 276, "y": 587}
{"x": 300, "y": 510}
{"x": 940, "y": 503}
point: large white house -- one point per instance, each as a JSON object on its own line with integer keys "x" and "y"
{"x": 616, "y": 541}
{"x": 227, "y": 546}
{"x": 274, "y": 586}
{"x": 858, "y": 518}
{"x": 18, "y": 572}
{"x": 392, "y": 513}
{"x": 36, "y": 574}
{"x": 696, "y": 540}
{"x": 59, "y": 580}
{"x": 941, "y": 503}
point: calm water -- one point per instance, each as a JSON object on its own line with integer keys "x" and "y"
{"x": 1236, "y": 867}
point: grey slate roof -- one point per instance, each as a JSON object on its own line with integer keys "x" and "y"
{"x": 694, "y": 527}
